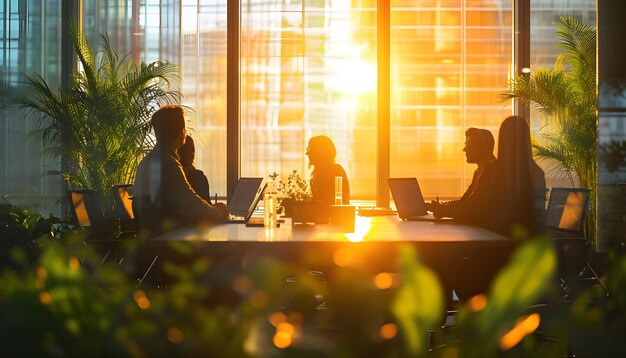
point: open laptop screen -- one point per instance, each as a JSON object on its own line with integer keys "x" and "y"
{"x": 407, "y": 197}
{"x": 244, "y": 196}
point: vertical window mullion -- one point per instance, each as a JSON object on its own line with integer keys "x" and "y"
{"x": 521, "y": 48}
{"x": 233, "y": 125}
{"x": 384, "y": 110}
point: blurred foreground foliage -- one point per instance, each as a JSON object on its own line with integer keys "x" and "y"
{"x": 61, "y": 305}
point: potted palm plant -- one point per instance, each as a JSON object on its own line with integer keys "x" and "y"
{"x": 100, "y": 128}
{"x": 566, "y": 98}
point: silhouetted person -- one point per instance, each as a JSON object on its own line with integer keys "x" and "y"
{"x": 509, "y": 193}
{"x": 478, "y": 149}
{"x": 196, "y": 178}
{"x": 511, "y": 189}
{"x": 321, "y": 152}
{"x": 162, "y": 196}
{"x": 520, "y": 181}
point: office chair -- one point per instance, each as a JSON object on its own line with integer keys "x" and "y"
{"x": 87, "y": 214}
{"x": 123, "y": 209}
{"x": 86, "y": 209}
{"x": 567, "y": 209}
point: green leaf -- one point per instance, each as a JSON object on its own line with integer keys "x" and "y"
{"x": 526, "y": 277}
{"x": 418, "y": 305}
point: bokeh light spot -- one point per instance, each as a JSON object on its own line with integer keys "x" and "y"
{"x": 277, "y": 318}
{"x": 522, "y": 328}
{"x": 45, "y": 297}
{"x": 477, "y": 303}
{"x": 389, "y": 330}
{"x": 343, "y": 257}
{"x": 174, "y": 335}
{"x": 383, "y": 280}
{"x": 282, "y": 340}
{"x": 141, "y": 299}
{"x": 74, "y": 263}
{"x": 286, "y": 328}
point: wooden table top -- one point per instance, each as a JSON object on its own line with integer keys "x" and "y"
{"x": 367, "y": 229}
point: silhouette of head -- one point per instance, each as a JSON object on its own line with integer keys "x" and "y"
{"x": 479, "y": 145}
{"x": 321, "y": 150}
{"x": 514, "y": 141}
{"x": 187, "y": 152}
{"x": 169, "y": 126}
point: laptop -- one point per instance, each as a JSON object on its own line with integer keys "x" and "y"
{"x": 246, "y": 196}
{"x": 409, "y": 200}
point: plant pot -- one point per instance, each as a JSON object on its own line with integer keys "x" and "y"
{"x": 304, "y": 212}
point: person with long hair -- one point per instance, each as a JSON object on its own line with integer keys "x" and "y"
{"x": 510, "y": 192}
{"x": 521, "y": 182}
{"x": 196, "y": 178}
{"x": 321, "y": 152}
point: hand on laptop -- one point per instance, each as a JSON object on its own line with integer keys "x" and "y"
{"x": 222, "y": 210}
{"x": 435, "y": 207}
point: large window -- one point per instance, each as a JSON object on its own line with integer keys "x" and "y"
{"x": 309, "y": 68}
{"x": 191, "y": 34}
{"x": 30, "y": 43}
{"x": 543, "y": 52}
{"x": 449, "y": 62}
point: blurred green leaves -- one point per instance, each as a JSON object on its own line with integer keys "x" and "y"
{"x": 60, "y": 306}
{"x": 418, "y": 304}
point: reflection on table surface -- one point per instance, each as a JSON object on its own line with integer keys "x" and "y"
{"x": 367, "y": 229}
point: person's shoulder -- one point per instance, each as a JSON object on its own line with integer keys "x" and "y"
{"x": 490, "y": 170}
{"x": 197, "y": 173}
{"x": 337, "y": 168}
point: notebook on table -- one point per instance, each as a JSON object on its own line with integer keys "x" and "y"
{"x": 246, "y": 196}
{"x": 409, "y": 200}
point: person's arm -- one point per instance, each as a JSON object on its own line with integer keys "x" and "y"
{"x": 183, "y": 200}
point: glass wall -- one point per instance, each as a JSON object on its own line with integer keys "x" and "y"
{"x": 30, "y": 44}
{"x": 203, "y": 73}
{"x": 543, "y": 53}
{"x": 191, "y": 34}
{"x": 449, "y": 62}
{"x": 309, "y": 68}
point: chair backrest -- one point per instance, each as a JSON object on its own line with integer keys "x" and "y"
{"x": 123, "y": 206}
{"x": 122, "y": 201}
{"x": 85, "y": 205}
{"x": 567, "y": 208}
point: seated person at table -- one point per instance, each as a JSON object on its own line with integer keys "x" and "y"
{"x": 162, "y": 196}
{"x": 321, "y": 152}
{"x": 511, "y": 190}
{"x": 196, "y": 178}
{"x": 478, "y": 149}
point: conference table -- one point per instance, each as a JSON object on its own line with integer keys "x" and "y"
{"x": 465, "y": 258}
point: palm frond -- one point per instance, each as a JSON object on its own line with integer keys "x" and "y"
{"x": 101, "y": 127}
{"x": 567, "y": 97}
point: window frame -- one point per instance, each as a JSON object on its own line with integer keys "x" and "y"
{"x": 521, "y": 59}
